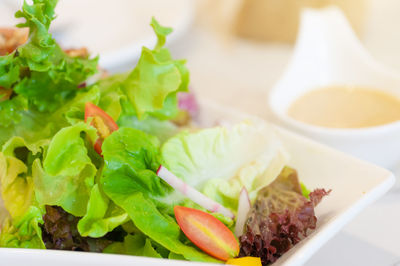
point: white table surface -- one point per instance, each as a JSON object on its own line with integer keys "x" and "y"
{"x": 239, "y": 73}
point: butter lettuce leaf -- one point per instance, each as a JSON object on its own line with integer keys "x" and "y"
{"x": 66, "y": 175}
{"x": 102, "y": 215}
{"x": 16, "y": 182}
{"x": 22, "y": 228}
{"x": 220, "y": 161}
{"x": 162, "y": 129}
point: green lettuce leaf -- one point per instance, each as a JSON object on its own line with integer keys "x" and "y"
{"x": 40, "y": 71}
{"x": 74, "y": 110}
{"x": 161, "y": 33}
{"x": 131, "y": 160}
{"x": 16, "y": 180}
{"x": 102, "y": 215}
{"x": 66, "y": 175}
{"x": 129, "y": 180}
{"x": 157, "y": 79}
{"x": 9, "y": 71}
{"x": 114, "y": 102}
{"x": 112, "y": 95}
{"x": 136, "y": 245}
{"x": 151, "y": 88}
{"x": 23, "y": 232}
{"x": 21, "y": 229}
{"x": 151, "y": 82}
{"x": 162, "y": 129}
{"x": 41, "y": 45}
{"x": 305, "y": 191}
{"x": 11, "y": 110}
{"x": 220, "y": 161}
{"x": 35, "y": 126}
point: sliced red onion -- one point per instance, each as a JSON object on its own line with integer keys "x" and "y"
{"x": 192, "y": 193}
{"x": 243, "y": 209}
{"x": 187, "y": 101}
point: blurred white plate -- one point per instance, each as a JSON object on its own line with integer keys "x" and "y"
{"x": 116, "y": 30}
{"x": 354, "y": 183}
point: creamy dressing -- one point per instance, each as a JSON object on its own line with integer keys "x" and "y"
{"x": 346, "y": 107}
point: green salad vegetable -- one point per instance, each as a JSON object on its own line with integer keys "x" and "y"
{"x": 79, "y": 160}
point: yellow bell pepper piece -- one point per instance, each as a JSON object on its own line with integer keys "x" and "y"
{"x": 245, "y": 261}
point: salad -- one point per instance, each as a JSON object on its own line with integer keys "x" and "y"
{"x": 117, "y": 164}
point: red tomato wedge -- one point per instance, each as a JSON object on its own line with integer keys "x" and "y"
{"x": 207, "y": 233}
{"x": 104, "y": 124}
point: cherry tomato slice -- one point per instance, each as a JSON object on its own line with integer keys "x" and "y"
{"x": 104, "y": 124}
{"x": 207, "y": 232}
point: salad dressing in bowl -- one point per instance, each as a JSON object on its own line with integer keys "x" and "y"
{"x": 346, "y": 107}
{"x": 328, "y": 53}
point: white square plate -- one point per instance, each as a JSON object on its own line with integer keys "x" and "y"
{"x": 354, "y": 183}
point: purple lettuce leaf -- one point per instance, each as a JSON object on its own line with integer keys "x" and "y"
{"x": 280, "y": 218}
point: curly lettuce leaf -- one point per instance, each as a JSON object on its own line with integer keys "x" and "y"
{"x": 11, "y": 110}
{"x": 35, "y": 126}
{"x": 221, "y": 161}
{"x": 66, "y": 175}
{"x": 280, "y": 218}
{"x": 149, "y": 84}
{"x": 41, "y": 45}
{"x": 151, "y": 88}
{"x": 40, "y": 71}
{"x": 161, "y": 33}
{"x": 9, "y": 71}
{"x": 130, "y": 181}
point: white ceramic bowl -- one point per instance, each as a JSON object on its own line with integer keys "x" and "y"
{"x": 328, "y": 53}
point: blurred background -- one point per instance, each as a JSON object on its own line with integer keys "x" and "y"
{"x": 236, "y": 50}
{"x": 230, "y": 45}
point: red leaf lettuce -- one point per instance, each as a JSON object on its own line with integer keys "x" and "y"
{"x": 280, "y": 218}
